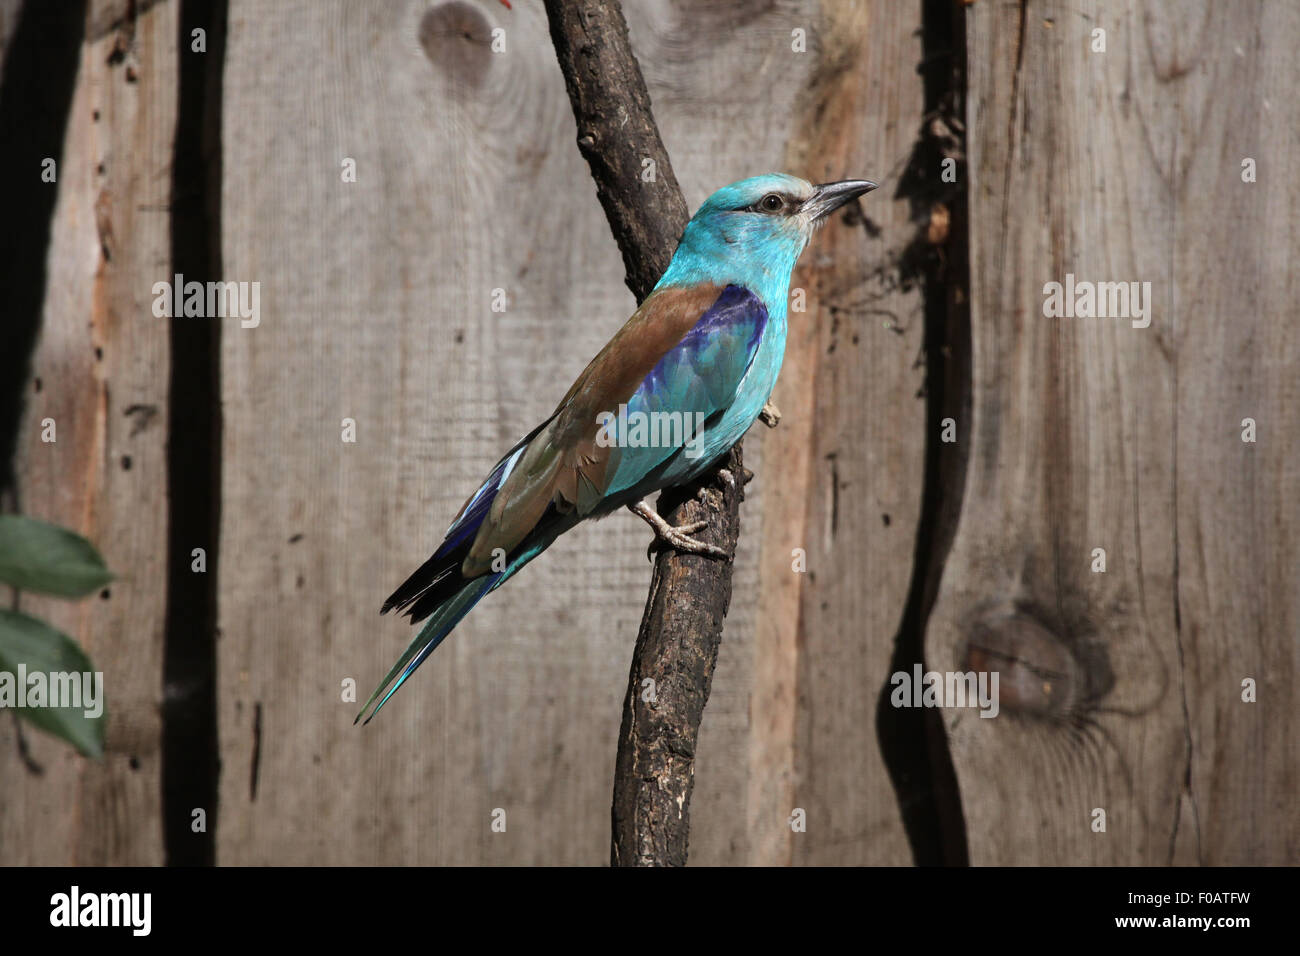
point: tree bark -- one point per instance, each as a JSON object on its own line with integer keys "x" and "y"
{"x": 677, "y": 646}
{"x": 618, "y": 137}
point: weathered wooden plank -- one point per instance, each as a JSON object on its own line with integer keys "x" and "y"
{"x": 845, "y": 465}
{"x": 717, "y": 129}
{"x": 1238, "y": 351}
{"x": 100, "y": 371}
{"x": 376, "y": 303}
{"x": 721, "y": 125}
{"x": 1120, "y": 690}
{"x": 867, "y": 448}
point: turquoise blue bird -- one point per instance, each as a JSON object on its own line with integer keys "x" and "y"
{"x": 673, "y": 390}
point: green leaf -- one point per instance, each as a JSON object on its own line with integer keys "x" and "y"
{"x": 37, "y": 556}
{"x": 40, "y": 649}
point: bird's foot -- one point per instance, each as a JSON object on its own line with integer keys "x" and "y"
{"x": 746, "y": 476}
{"x": 678, "y": 537}
{"x": 770, "y": 415}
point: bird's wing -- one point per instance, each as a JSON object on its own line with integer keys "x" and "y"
{"x": 684, "y": 350}
{"x": 689, "y": 389}
{"x": 438, "y": 577}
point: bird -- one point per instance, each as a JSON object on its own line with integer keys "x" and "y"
{"x": 671, "y": 392}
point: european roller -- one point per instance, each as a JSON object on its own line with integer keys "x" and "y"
{"x": 673, "y": 390}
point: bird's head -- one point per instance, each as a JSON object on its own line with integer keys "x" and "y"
{"x": 752, "y": 232}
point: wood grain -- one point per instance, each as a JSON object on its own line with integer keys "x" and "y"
{"x": 677, "y": 643}
{"x": 100, "y": 371}
{"x": 1237, "y": 349}
{"x": 721, "y": 124}
{"x": 617, "y": 136}
{"x": 377, "y": 301}
{"x": 1121, "y": 690}
{"x": 851, "y": 444}
{"x": 376, "y": 304}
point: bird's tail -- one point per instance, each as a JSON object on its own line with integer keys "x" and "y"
{"x": 439, "y": 591}
{"x": 438, "y": 626}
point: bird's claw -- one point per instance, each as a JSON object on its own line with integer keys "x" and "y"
{"x": 678, "y": 537}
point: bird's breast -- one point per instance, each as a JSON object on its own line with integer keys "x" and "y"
{"x": 752, "y": 394}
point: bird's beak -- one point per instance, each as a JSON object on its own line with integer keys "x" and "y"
{"x": 828, "y": 197}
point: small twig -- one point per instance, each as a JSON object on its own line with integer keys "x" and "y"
{"x": 24, "y": 752}
{"x": 677, "y": 647}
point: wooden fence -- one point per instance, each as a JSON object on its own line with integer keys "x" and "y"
{"x": 1121, "y": 691}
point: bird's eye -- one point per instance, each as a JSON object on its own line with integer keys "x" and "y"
{"x": 771, "y": 203}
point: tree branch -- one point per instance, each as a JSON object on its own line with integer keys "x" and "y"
{"x": 677, "y": 646}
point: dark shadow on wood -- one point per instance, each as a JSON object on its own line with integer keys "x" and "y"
{"x": 40, "y": 75}
{"x": 191, "y": 762}
{"x": 912, "y": 740}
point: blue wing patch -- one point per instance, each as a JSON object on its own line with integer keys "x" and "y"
{"x": 694, "y": 382}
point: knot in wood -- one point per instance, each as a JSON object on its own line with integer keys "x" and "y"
{"x": 457, "y": 39}
{"x": 1037, "y": 673}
